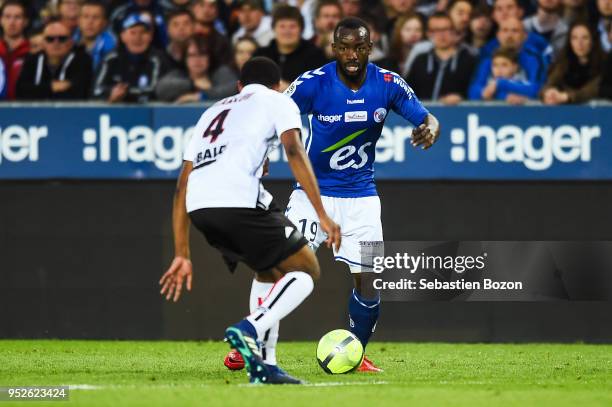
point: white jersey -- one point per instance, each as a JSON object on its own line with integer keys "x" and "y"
{"x": 229, "y": 145}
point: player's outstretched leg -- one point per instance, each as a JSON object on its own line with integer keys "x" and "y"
{"x": 298, "y": 274}
{"x": 364, "y": 306}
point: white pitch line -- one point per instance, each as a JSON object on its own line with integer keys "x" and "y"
{"x": 329, "y": 384}
{"x": 83, "y": 387}
{"x": 320, "y": 384}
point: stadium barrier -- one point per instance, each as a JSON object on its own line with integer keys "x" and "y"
{"x": 82, "y": 245}
{"x": 478, "y": 143}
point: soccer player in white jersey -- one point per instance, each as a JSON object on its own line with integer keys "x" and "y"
{"x": 347, "y": 102}
{"x": 219, "y": 190}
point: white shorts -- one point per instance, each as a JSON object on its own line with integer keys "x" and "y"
{"x": 359, "y": 220}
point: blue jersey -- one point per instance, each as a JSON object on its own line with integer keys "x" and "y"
{"x": 345, "y": 124}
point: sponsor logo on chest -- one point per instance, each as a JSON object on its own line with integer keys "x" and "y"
{"x": 357, "y": 116}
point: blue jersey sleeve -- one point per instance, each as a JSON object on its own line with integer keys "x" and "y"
{"x": 302, "y": 91}
{"x": 405, "y": 103}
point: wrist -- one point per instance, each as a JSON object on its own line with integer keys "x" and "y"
{"x": 184, "y": 253}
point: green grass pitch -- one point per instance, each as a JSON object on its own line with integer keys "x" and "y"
{"x": 131, "y": 373}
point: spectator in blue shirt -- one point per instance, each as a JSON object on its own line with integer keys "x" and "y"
{"x": 93, "y": 32}
{"x": 511, "y": 35}
{"x": 504, "y": 10}
{"x": 507, "y": 81}
{"x": 160, "y": 34}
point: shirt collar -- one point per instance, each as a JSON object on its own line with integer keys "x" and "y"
{"x": 254, "y": 87}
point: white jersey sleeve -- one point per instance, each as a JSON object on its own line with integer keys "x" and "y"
{"x": 285, "y": 114}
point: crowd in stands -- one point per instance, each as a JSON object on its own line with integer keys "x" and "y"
{"x": 182, "y": 51}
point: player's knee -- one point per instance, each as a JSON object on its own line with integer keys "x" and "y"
{"x": 304, "y": 260}
{"x": 315, "y": 271}
{"x": 311, "y": 265}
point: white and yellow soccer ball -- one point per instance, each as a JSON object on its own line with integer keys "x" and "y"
{"x": 339, "y": 351}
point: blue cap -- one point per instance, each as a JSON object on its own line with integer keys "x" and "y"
{"x": 135, "y": 19}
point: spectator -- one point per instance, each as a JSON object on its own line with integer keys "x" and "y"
{"x": 14, "y": 46}
{"x": 396, "y": 8}
{"x": 198, "y": 82}
{"x": 307, "y": 8}
{"x": 605, "y": 24}
{"x": 3, "y": 82}
{"x": 180, "y": 29}
{"x": 326, "y": 46}
{"x": 37, "y": 41}
{"x": 507, "y": 9}
{"x": 160, "y": 39}
{"x": 130, "y": 74}
{"x": 504, "y": 9}
{"x": 531, "y": 66}
{"x": 293, "y": 54}
{"x": 605, "y": 89}
{"x": 60, "y": 72}
{"x": 243, "y": 51}
{"x": 254, "y": 23}
{"x": 460, "y": 12}
{"x": 408, "y": 30}
{"x": 93, "y": 32}
{"x": 444, "y": 72}
{"x": 206, "y": 15}
{"x": 327, "y": 15}
{"x": 506, "y": 82}
{"x": 548, "y": 23}
{"x": 481, "y": 29}
{"x": 69, "y": 11}
{"x": 576, "y": 74}
{"x": 350, "y": 8}
{"x": 574, "y": 10}
{"x": 378, "y": 37}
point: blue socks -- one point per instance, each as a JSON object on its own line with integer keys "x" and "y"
{"x": 363, "y": 315}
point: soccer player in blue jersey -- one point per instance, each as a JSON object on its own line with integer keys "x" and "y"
{"x": 347, "y": 102}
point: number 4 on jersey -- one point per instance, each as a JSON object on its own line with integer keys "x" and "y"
{"x": 215, "y": 128}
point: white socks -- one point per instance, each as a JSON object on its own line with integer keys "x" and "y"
{"x": 259, "y": 291}
{"x": 285, "y": 296}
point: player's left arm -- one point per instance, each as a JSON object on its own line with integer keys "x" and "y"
{"x": 426, "y": 134}
{"x": 181, "y": 269}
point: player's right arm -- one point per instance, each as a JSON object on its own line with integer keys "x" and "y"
{"x": 303, "y": 173}
{"x": 181, "y": 269}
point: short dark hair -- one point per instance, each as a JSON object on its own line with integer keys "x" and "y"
{"x": 55, "y": 20}
{"x": 285, "y": 12}
{"x": 507, "y": 53}
{"x": 17, "y": 3}
{"x": 181, "y": 11}
{"x": 96, "y": 3}
{"x": 440, "y": 14}
{"x": 351, "y": 23}
{"x": 517, "y": 2}
{"x": 260, "y": 70}
{"x": 254, "y": 4}
{"x": 324, "y": 3}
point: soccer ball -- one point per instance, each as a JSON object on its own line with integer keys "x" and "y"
{"x": 339, "y": 351}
